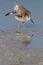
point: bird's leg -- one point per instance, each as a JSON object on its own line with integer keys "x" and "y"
{"x": 22, "y": 25}
{"x": 18, "y": 25}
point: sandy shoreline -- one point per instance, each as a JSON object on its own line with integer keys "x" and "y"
{"x": 17, "y": 56}
{"x": 12, "y": 54}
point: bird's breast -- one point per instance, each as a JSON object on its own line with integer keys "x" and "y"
{"x": 23, "y": 19}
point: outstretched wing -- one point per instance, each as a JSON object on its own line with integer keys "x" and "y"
{"x": 10, "y": 13}
{"x": 16, "y": 6}
{"x": 21, "y": 10}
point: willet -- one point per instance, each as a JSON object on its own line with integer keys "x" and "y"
{"x": 21, "y": 13}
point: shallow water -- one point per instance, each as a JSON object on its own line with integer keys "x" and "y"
{"x": 15, "y": 48}
{"x": 24, "y": 45}
{"x": 10, "y": 23}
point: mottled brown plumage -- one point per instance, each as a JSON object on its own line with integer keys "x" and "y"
{"x": 21, "y": 13}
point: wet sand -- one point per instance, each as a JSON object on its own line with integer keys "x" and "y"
{"x": 14, "y": 51}
{"x": 17, "y": 56}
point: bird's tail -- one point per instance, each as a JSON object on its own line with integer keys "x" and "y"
{"x": 10, "y": 13}
{"x": 32, "y": 21}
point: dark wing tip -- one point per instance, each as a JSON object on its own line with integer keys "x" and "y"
{"x": 7, "y": 14}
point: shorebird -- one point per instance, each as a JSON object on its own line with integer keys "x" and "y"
{"x": 21, "y": 13}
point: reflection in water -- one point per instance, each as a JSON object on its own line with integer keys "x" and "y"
{"x": 14, "y": 38}
{"x": 11, "y": 54}
{"x": 23, "y": 38}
